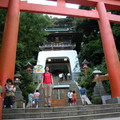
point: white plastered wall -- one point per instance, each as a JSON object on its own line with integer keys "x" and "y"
{"x": 71, "y": 54}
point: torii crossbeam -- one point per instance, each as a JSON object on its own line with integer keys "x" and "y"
{"x": 58, "y": 10}
{"x": 10, "y": 35}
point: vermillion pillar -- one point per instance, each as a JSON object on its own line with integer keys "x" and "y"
{"x": 110, "y": 51}
{"x": 0, "y": 107}
{"x": 9, "y": 42}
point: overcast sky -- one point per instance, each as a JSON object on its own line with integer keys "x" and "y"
{"x": 44, "y": 2}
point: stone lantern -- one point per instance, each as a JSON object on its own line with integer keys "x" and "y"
{"x": 99, "y": 90}
{"x": 18, "y": 94}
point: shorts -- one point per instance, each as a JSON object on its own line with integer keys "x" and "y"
{"x": 74, "y": 100}
{"x": 83, "y": 97}
{"x": 37, "y": 100}
{"x": 70, "y": 100}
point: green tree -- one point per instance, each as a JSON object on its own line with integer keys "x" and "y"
{"x": 116, "y": 32}
{"x": 92, "y": 51}
{"x": 2, "y": 22}
{"x": 87, "y": 82}
{"x": 67, "y": 22}
{"x": 91, "y": 47}
{"x": 27, "y": 85}
{"x": 31, "y": 35}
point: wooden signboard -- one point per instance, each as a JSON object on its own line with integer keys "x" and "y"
{"x": 61, "y": 92}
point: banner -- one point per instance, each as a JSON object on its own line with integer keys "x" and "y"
{"x": 38, "y": 69}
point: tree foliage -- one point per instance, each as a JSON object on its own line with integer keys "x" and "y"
{"x": 27, "y": 85}
{"x": 31, "y": 35}
{"x": 87, "y": 82}
{"x": 91, "y": 49}
{"x": 2, "y": 22}
{"x": 67, "y": 22}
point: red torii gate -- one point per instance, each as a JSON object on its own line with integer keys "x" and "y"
{"x": 10, "y": 35}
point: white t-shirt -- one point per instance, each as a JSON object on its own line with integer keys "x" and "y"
{"x": 60, "y": 75}
{"x": 70, "y": 94}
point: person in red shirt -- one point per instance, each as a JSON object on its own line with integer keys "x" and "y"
{"x": 47, "y": 85}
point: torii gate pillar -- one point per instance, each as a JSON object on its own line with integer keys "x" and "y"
{"x": 9, "y": 42}
{"x": 9, "y": 45}
{"x": 110, "y": 51}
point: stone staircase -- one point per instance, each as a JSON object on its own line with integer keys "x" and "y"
{"x": 78, "y": 112}
{"x": 72, "y": 85}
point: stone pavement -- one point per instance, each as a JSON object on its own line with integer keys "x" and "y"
{"x": 116, "y": 118}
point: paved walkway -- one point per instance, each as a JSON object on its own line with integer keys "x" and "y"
{"x": 116, "y": 118}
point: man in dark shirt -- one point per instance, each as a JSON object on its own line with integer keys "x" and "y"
{"x": 83, "y": 94}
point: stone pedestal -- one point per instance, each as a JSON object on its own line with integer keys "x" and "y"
{"x": 20, "y": 103}
{"x": 113, "y": 100}
{"x": 99, "y": 91}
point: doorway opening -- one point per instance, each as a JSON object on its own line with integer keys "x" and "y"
{"x": 58, "y": 65}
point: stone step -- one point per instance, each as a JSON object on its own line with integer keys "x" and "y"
{"x": 116, "y": 118}
{"x": 57, "y": 114}
{"x": 65, "y": 112}
{"x": 79, "y": 117}
{"x": 66, "y": 108}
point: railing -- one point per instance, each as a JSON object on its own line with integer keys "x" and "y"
{"x": 57, "y": 45}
